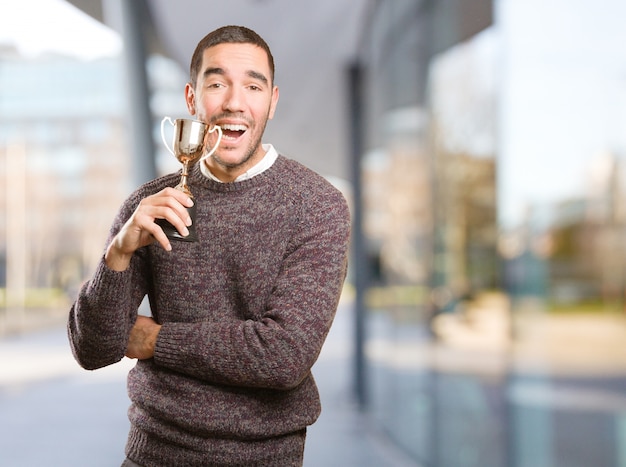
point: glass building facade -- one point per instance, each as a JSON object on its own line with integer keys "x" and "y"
{"x": 65, "y": 168}
{"x": 493, "y": 188}
{"x": 494, "y": 218}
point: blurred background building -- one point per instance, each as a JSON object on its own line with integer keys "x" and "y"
{"x": 481, "y": 144}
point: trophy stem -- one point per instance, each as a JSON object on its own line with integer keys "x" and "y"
{"x": 182, "y": 185}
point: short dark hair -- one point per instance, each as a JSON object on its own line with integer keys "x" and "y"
{"x": 228, "y": 35}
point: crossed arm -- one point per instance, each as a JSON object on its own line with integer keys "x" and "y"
{"x": 274, "y": 350}
{"x": 141, "y": 230}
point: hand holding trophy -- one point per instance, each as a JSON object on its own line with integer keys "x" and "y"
{"x": 189, "y": 145}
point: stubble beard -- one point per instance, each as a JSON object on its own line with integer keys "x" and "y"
{"x": 252, "y": 149}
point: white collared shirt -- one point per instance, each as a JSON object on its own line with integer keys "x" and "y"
{"x": 264, "y": 164}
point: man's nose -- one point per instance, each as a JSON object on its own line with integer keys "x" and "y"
{"x": 234, "y": 101}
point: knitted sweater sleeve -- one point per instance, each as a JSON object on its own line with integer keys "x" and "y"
{"x": 278, "y": 349}
{"x": 105, "y": 310}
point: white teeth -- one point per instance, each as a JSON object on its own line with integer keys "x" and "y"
{"x": 231, "y": 127}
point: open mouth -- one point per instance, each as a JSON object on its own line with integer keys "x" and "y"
{"x": 231, "y": 132}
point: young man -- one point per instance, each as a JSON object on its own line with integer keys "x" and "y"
{"x": 223, "y": 375}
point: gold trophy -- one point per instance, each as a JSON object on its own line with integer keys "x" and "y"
{"x": 188, "y": 147}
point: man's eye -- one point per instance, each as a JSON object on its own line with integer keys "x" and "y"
{"x": 214, "y": 85}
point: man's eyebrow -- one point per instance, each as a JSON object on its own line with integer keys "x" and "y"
{"x": 220, "y": 71}
{"x": 213, "y": 71}
{"x": 259, "y": 76}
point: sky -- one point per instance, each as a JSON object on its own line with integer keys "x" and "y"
{"x": 563, "y": 98}
{"x": 42, "y": 26}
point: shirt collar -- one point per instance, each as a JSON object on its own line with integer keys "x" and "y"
{"x": 268, "y": 160}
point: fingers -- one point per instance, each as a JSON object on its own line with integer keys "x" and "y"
{"x": 169, "y": 204}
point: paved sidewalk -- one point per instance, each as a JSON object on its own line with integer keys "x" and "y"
{"x": 344, "y": 437}
{"x": 53, "y": 413}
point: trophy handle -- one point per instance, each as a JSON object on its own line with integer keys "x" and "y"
{"x": 219, "y": 139}
{"x": 163, "y": 133}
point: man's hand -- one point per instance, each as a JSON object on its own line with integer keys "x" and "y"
{"x": 141, "y": 230}
{"x": 143, "y": 338}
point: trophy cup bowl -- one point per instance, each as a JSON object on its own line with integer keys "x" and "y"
{"x": 189, "y": 146}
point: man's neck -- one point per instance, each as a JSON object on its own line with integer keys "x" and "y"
{"x": 219, "y": 172}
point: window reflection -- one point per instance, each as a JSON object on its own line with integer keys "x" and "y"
{"x": 65, "y": 168}
{"x": 495, "y": 222}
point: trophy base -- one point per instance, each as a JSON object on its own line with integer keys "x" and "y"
{"x": 174, "y": 234}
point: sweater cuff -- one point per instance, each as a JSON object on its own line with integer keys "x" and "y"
{"x": 109, "y": 285}
{"x": 169, "y": 347}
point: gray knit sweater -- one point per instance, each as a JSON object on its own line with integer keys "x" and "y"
{"x": 244, "y": 314}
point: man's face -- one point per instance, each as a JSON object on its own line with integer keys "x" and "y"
{"x": 234, "y": 90}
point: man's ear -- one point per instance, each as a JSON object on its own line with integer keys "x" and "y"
{"x": 190, "y": 99}
{"x": 273, "y": 102}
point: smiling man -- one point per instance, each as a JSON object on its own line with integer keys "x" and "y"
{"x": 223, "y": 374}
{"x": 233, "y": 87}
